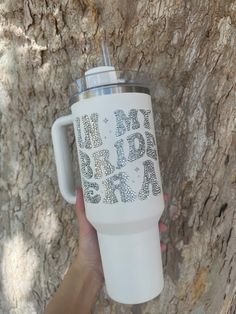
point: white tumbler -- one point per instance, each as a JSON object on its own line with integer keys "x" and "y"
{"x": 114, "y": 129}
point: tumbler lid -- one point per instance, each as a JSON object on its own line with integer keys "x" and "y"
{"x": 100, "y": 76}
{"x": 97, "y": 81}
{"x": 104, "y": 77}
{"x": 132, "y": 265}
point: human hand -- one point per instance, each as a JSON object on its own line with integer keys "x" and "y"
{"x": 89, "y": 254}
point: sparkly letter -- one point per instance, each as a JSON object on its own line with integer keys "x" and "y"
{"x": 136, "y": 152}
{"x": 146, "y": 118}
{"x": 92, "y": 137}
{"x": 118, "y": 182}
{"x": 78, "y": 128}
{"x": 149, "y": 178}
{"x": 123, "y": 123}
{"x": 121, "y": 160}
{"x": 102, "y": 164}
{"x": 151, "y": 151}
{"x": 89, "y": 193}
{"x": 86, "y": 170}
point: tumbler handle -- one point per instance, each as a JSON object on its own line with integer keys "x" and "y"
{"x": 63, "y": 158}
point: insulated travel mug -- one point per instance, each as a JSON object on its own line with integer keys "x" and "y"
{"x": 114, "y": 129}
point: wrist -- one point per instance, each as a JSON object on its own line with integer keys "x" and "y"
{"x": 89, "y": 275}
{"x": 78, "y": 291}
{"x": 88, "y": 289}
{"x": 89, "y": 270}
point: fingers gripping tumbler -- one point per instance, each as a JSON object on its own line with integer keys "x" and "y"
{"x": 113, "y": 123}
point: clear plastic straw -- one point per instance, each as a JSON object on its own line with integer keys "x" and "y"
{"x": 105, "y": 54}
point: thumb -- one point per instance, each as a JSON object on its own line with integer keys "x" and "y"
{"x": 80, "y": 209}
{"x": 84, "y": 225}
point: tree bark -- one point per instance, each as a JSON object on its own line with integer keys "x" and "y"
{"x": 189, "y": 46}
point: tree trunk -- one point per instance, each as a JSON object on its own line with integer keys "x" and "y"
{"x": 189, "y": 46}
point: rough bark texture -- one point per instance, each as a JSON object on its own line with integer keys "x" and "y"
{"x": 190, "y": 48}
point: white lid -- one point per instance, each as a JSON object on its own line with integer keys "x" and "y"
{"x": 106, "y": 76}
{"x": 132, "y": 265}
{"x": 98, "y": 76}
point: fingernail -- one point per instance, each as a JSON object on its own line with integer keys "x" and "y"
{"x": 163, "y": 247}
{"x": 163, "y": 227}
{"x": 166, "y": 197}
{"x": 78, "y": 193}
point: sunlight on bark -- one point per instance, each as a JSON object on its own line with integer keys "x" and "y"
{"x": 46, "y": 226}
{"x": 18, "y": 266}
